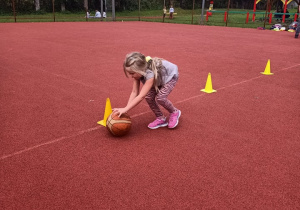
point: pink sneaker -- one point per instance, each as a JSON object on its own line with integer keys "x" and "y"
{"x": 174, "y": 119}
{"x": 159, "y": 122}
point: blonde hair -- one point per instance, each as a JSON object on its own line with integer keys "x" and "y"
{"x": 138, "y": 64}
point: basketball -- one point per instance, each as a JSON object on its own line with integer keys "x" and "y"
{"x": 118, "y": 126}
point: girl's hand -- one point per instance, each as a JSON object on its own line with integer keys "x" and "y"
{"x": 119, "y": 111}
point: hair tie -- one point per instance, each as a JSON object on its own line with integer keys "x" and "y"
{"x": 148, "y": 58}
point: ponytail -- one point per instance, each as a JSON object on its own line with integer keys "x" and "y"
{"x": 155, "y": 64}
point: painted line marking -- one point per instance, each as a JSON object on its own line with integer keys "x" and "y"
{"x": 49, "y": 142}
{"x": 133, "y": 116}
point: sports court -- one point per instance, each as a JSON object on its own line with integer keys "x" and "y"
{"x": 237, "y": 148}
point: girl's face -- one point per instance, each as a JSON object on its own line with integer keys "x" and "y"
{"x": 132, "y": 73}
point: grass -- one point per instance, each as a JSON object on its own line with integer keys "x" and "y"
{"x": 237, "y": 18}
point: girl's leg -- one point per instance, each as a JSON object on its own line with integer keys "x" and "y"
{"x": 150, "y": 98}
{"x": 297, "y": 30}
{"x": 163, "y": 101}
{"x": 162, "y": 96}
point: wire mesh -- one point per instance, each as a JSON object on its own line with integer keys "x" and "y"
{"x": 236, "y": 13}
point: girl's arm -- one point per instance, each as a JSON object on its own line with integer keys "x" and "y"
{"x": 135, "y": 99}
{"x": 135, "y": 90}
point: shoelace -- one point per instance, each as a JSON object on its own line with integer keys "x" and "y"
{"x": 158, "y": 120}
{"x": 173, "y": 117}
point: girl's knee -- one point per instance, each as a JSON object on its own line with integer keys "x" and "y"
{"x": 161, "y": 99}
{"x": 149, "y": 99}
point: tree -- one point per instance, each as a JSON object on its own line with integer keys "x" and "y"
{"x": 298, "y": 2}
{"x": 37, "y": 5}
{"x": 86, "y": 4}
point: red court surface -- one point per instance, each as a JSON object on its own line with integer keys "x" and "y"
{"x": 237, "y": 148}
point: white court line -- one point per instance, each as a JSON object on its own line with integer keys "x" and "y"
{"x": 202, "y": 94}
{"x": 49, "y": 142}
{"x": 136, "y": 115}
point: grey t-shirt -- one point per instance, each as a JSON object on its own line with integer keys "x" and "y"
{"x": 168, "y": 72}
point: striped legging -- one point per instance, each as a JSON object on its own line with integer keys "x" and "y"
{"x": 154, "y": 98}
{"x": 298, "y": 29}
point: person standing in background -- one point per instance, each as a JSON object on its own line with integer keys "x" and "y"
{"x": 165, "y": 11}
{"x": 171, "y": 11}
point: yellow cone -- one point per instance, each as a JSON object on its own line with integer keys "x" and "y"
{"x": 267, "y": 69}
{"x": 107, "y": 112}
{"x": 208, "y": 86}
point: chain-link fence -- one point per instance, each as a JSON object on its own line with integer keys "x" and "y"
{"x": 56, "y": 10}
{"x": 239, "y": 13}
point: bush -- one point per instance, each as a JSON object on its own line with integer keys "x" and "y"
{"x": 24, "y": 7}
{"x": 66, "y": 12}
{"x": 40, "y": 12}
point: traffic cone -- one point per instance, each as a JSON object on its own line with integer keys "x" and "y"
{"x": 107, "y": 112}
{"x": 208, "y": 86}
{"x": 267, "y": 69}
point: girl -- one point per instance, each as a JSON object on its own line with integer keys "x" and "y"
{"x": 159, "y": 77}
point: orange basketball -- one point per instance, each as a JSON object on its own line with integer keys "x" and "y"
{"x": 118, "y": 126}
